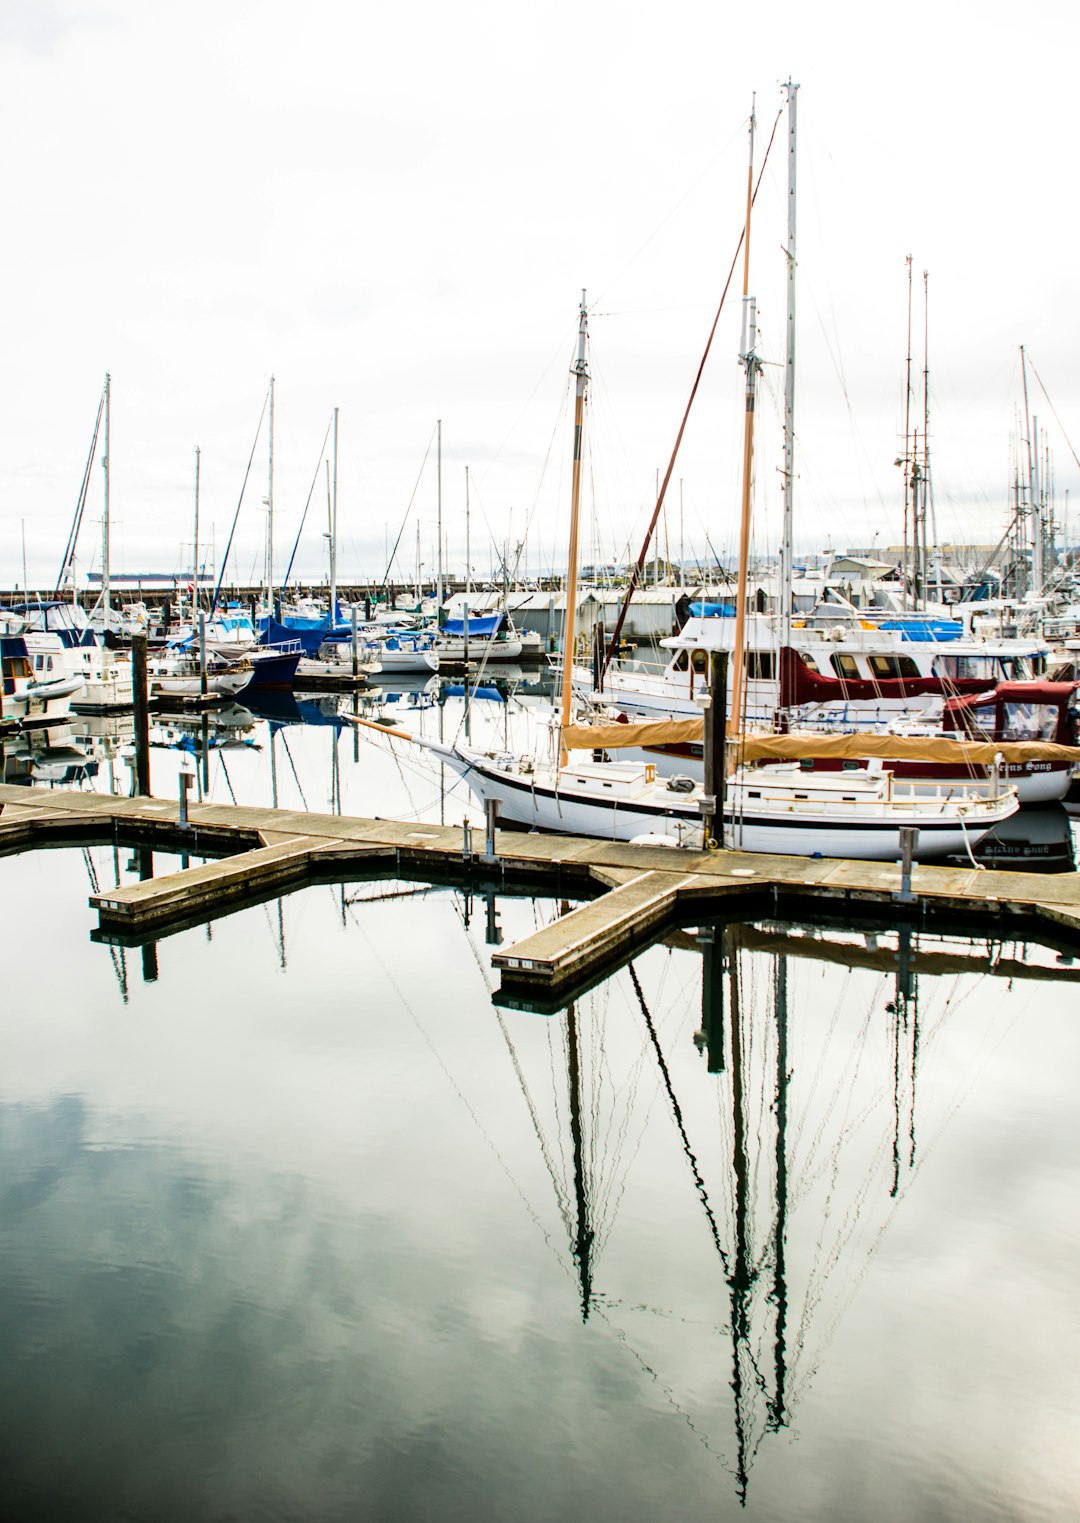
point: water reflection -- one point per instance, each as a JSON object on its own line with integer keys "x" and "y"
{"x": 329, "y": 1234}
{"x": 298, "y": 1221}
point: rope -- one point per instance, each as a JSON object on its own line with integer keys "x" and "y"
{"x": 635, "y": 575}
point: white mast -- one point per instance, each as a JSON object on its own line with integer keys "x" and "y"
{"x": 195, "y": 543}
{"x": 333, "y": 533}
{"x": 787, "y": 569}
{"x": 105, "y": 547}
{"x": 750, "y": 360}
{"x": 582, "y": 374}
{"x": 1033, "y": 493}
{"x": 438, "y": 506}
{"x": 270, "y": 512}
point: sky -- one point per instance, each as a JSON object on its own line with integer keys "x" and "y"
{"x": 393, "y": 210}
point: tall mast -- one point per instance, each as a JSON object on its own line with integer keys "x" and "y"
{"x": 195, "y": 543}
{"x": 928, "y": 490}
{"x": 908, "y": 505}
{"x": 1036, "y": 514}
{"x": 438, "y": 503}
{"x": 105, "y": 526}
{"x": 750, "y": 360}
{"x": 582, "y": 375}
{"x": 786, "y": 546}
{"x": 333, "y": 532}
{"x": 270, "y": 511}
{"x": 468, "y": 588}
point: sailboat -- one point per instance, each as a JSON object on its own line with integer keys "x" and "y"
{"x": 776, "y": 809}
{"x": 854, "y": 814}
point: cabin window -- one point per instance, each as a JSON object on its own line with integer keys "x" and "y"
{"x": 845, "y": 666}
{"x": 806, "y": 764}
{"x": 978, "y": 722}
{"x": 966, "y": 668}
{"x": 700, "y": 659}
{"x": 888, "y": 667}
{"x": 1030, "y": 721}
{"x": 682, "y": 661}
{"x": 761, "y": 665}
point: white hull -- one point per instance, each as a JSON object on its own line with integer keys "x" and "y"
{"x": 452, "y": 648}
{"x": 779, "y": 818}
{"x": 395, "y": 663}
{"x": 42, "y": 703}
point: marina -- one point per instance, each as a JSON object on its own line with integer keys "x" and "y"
{"x": 541, "y": 936}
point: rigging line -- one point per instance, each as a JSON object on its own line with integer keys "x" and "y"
{"x": 676, "y": 1109}
{"x": 663, "y": 1386}
{"x": 292, "y": 764}
{"x": 841, "y": 377}
{"x": 303, "y": 516}
{"x": 709, "y": 167}
{"x": 562, "y": 1199}
{"x": 635, "y": 575}
{"x": 408, "y": 510}
{"x": 239, "y": 503}
{"x": 1053, "y": 409}
{"x": 80, "y": 505}
{"x": 459, "y": 1092}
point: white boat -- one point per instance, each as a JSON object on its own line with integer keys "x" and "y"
{"x": 776, "y": 809}
{"x": 37, "y": 690}
{"x": 401, "y": 653}
{"x": 176, "y": 675}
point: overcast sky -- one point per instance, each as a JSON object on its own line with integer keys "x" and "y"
{"x": 394, "y": 209}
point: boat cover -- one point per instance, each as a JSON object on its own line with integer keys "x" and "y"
{"x": 484, "y": 627}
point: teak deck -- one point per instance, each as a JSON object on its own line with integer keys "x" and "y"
{"x": 631, "y": 892}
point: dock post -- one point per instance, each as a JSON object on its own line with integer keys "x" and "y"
{"x": 909, "y": 838}
{"x": 715, "y": 713}
{"x": 355, "y": 647}
{"x": 466, "y": 841}
{"x": 140, "y": 694}
{"x": 185, "y": 776}
{"x": 491, "y": 816}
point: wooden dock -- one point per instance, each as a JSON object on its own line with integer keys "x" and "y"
{"x": 631, "y": 894}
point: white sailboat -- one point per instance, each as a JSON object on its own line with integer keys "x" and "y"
{"x": 767, "y": 809}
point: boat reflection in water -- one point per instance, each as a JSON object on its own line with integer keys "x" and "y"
{"x": 720, "y": 1232}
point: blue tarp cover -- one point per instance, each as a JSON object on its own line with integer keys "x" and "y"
{"x": 712, "y": 610}
{"x": 484, "y": 625}
{"x": 926, "y": 631}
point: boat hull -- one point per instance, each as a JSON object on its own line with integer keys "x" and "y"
{"x": 785, "y": 831}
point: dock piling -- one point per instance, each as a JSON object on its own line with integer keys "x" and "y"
{"x": 491, "y": 817}
{"x": 140, "y": 692}
{"x": 909, "y": 837}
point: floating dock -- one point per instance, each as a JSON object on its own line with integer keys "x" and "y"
{"x": 631, "y": 894}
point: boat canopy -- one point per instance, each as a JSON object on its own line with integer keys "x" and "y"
{"x": 483, "y": 627}
{"x": 798, "y": 747}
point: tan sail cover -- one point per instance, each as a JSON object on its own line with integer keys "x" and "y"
{"x": 797, "y": 746}
{"x": 646, "y": 732}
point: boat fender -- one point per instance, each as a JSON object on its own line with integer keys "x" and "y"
{"x": 653, "y": 840}
{"x": 680, "y": 783}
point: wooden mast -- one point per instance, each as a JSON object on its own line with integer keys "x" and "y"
{"x": 750, "y": 360}
{"x": 787, "y": 538}
{"x": 106, "y": 527}
{"x": 582, "y": 375}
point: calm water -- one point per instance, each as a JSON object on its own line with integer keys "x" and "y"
{"x": 297, "y": 1222}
